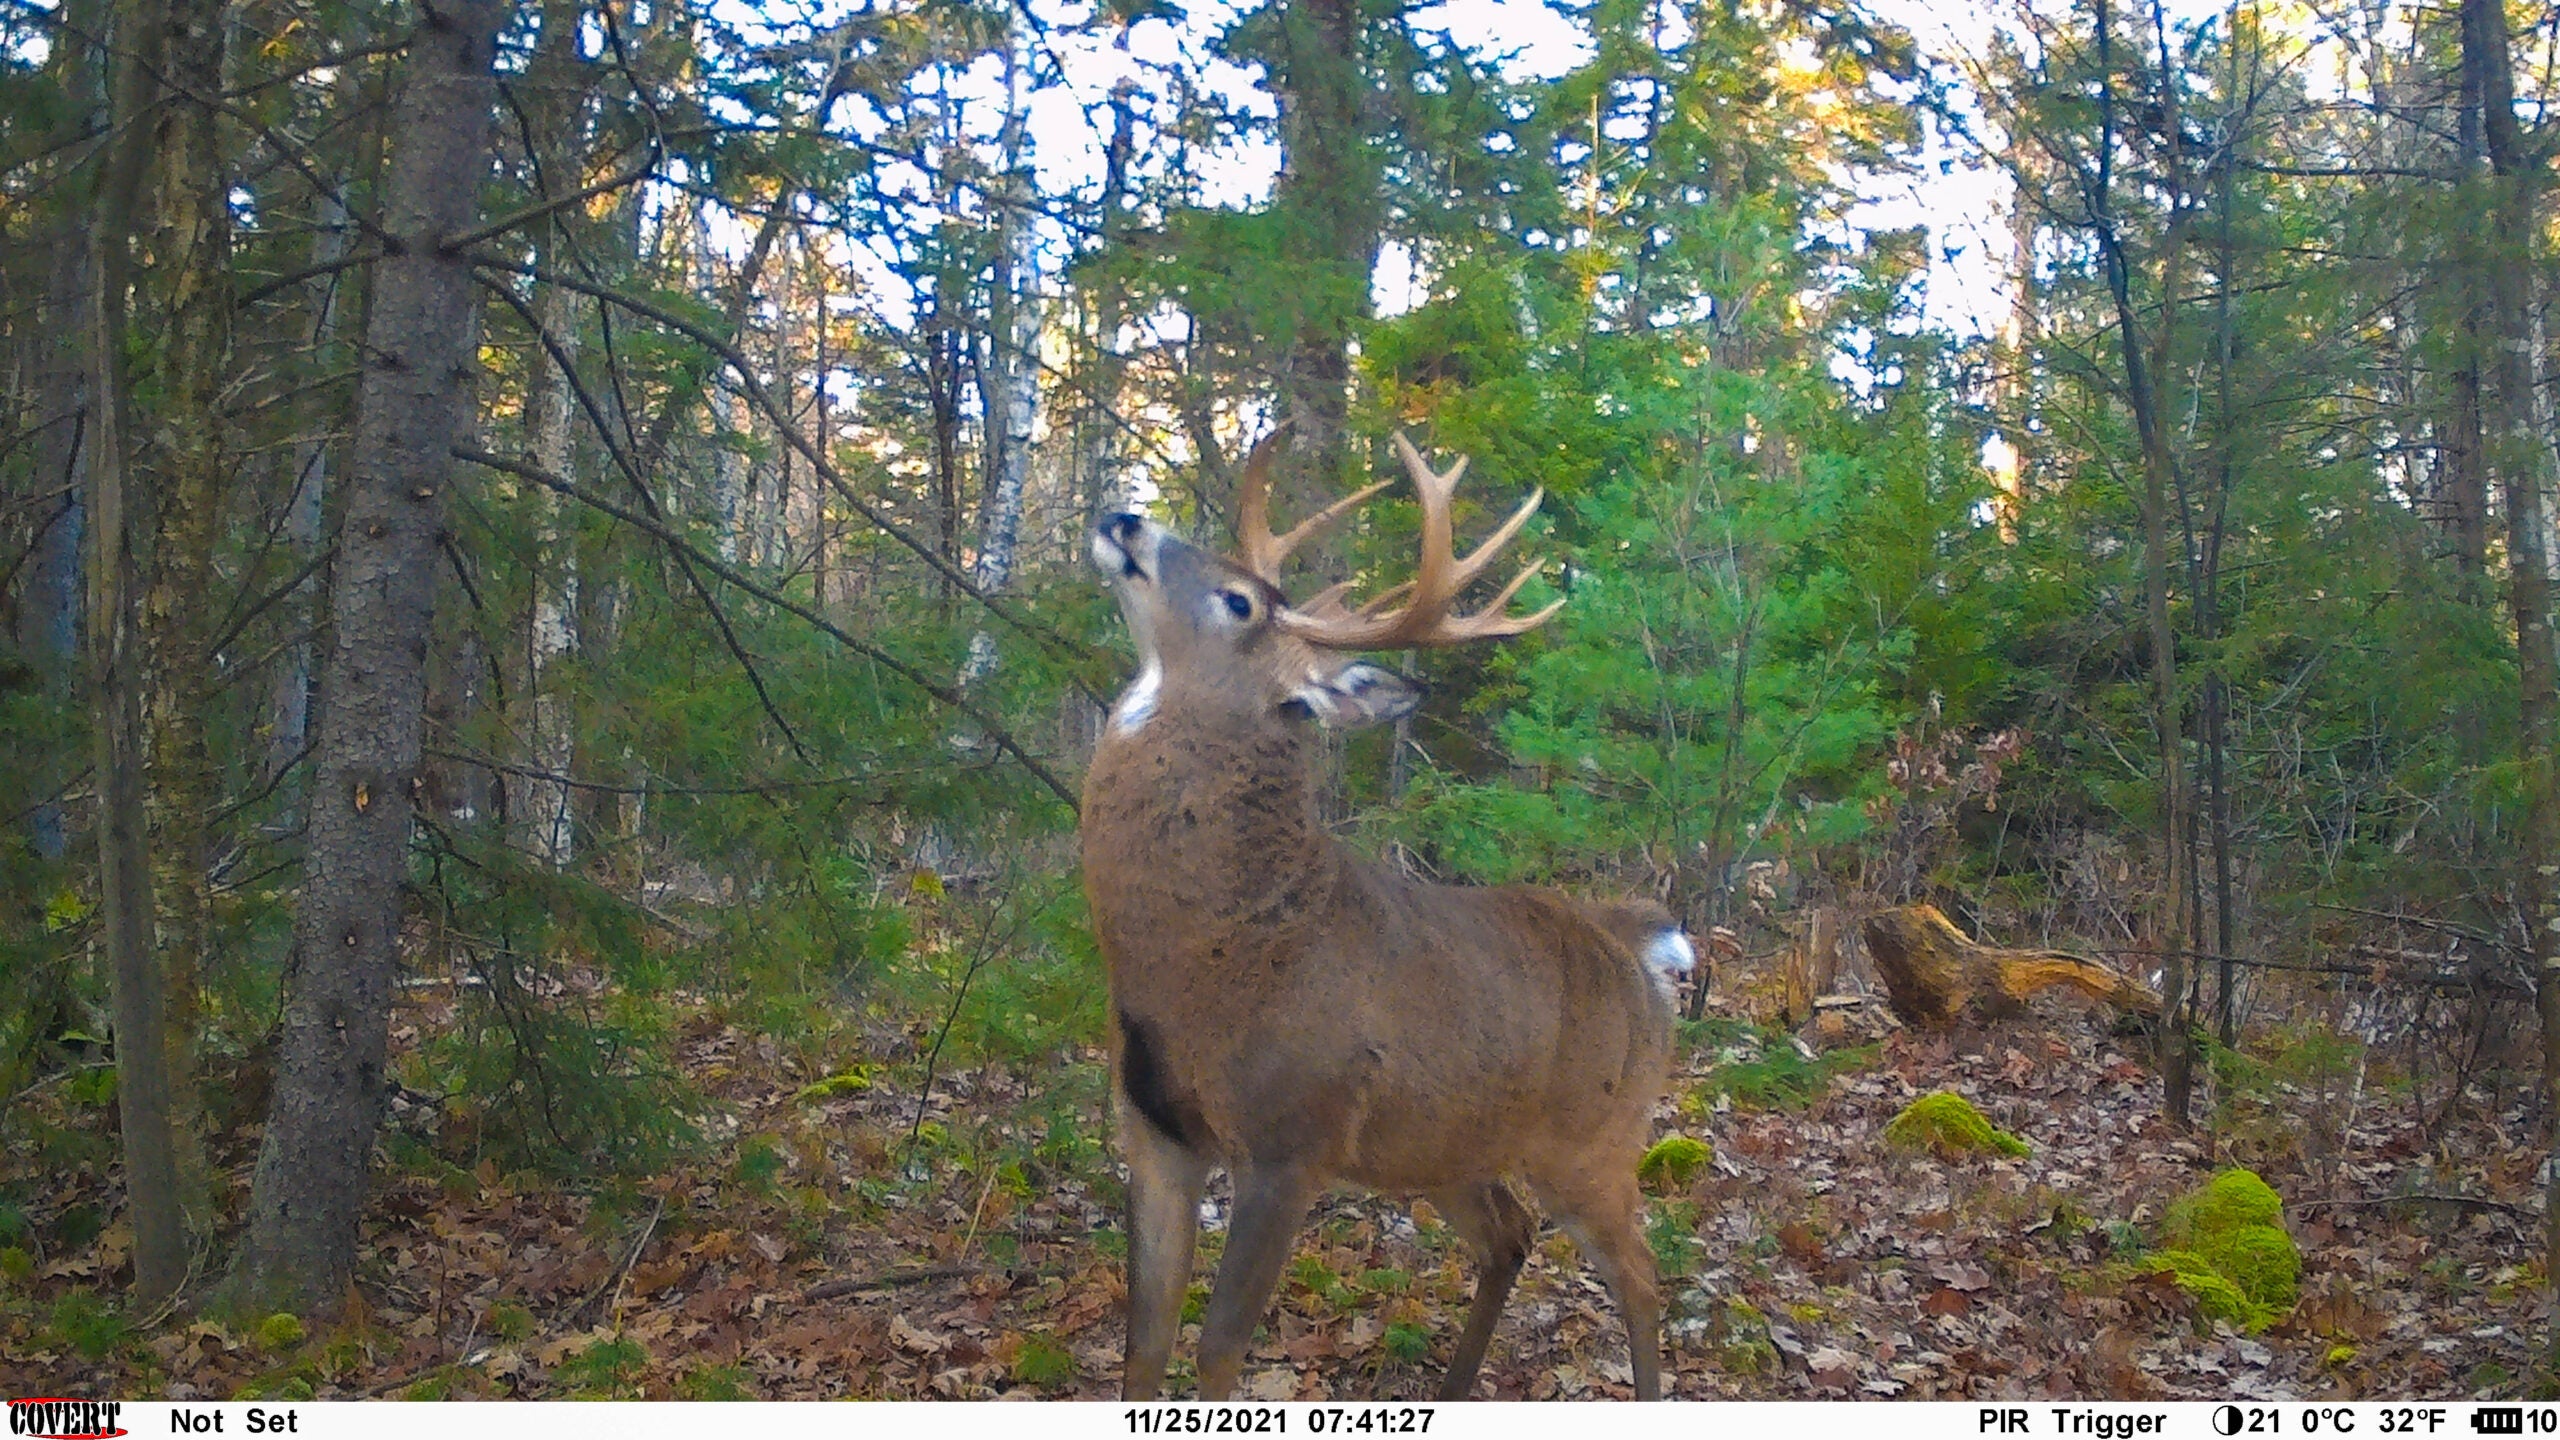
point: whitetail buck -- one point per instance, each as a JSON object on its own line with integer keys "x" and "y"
{"x": 1300, "y": 1014}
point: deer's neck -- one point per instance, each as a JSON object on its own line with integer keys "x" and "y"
{"x": 1202, "y": 839}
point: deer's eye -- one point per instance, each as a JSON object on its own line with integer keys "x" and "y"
{"x": 1238, "y": 603}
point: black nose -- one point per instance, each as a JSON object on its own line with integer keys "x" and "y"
{"x": 1122, "y": 527}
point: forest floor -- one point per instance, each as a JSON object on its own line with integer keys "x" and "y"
{"x": 845, "y": 1238}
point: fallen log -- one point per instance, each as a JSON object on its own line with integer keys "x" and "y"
{"x": 1936, "y": 975}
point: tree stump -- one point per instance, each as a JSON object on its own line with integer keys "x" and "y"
{"x": 1937, "y": 976}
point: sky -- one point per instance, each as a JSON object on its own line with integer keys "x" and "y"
{"x": 1964, "y": 205}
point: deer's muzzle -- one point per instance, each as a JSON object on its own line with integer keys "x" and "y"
{"x": 1124, "y": 546}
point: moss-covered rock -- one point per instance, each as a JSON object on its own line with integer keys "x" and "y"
{"x": 2263, "y": 1262}
{"x": 1948, "y": 1124}
{"x": 280, "y": 1331}
{"x": 2233, "y": 1231}
{"x": 2216, "y": 1297}
{"x": 1672, "y": 1163}
{"x": 2231, "y": 1200}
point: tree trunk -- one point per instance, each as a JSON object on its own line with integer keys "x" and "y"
{"x": 1938, "y": 977}
{"x": 411, "y": 407}
{"x": 118, "y": 667}
{"x": 1329, "y": 192}
{"x": 541, "y": 808}
{"x": 2516, "y": 454}
{"x": 942, "y": 381}
{"x": 2145, "y": 393}
{"x": 306, "y": 510}
{"x": 49, "y": 611}
{"x": 1008, "y": 371}
{"x": 190, "y": 472}
{"x": 2207, "y": 559}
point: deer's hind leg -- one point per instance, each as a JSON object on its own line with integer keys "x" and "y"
{"x": 1603, "y": 1212}
{"x": 1165, "y": 1181}
{"x": 1498, "y": 1228}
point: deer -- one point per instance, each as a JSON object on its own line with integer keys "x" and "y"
{"x": 1302, "y": 1015}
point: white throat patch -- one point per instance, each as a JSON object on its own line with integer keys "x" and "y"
{"x": 1670, "y": 958}
{"x": 1137, "y": 704}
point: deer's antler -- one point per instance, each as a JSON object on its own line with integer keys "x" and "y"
{"x": 1423, "y": 618}
{"x": 1264, "y": 552}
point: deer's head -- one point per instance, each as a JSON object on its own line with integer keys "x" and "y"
{"x": 1218, "y": 637}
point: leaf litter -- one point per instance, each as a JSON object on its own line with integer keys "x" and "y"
{"x": 1809, "y": 1260}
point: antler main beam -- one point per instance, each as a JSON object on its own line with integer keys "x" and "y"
{"x": 1424, "y": 618}
{"x": 1264, "y": 552}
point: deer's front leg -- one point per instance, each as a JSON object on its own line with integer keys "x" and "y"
{"x": 1165, "y": 1181}
{"x": 1271, "y": 1200}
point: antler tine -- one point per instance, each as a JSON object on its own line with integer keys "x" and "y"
{"x": 1264, "y": 553}
{"x": 1490, "y": 623}
{"x": 1253, "y": 512}
{"x": 1423, "y": 618}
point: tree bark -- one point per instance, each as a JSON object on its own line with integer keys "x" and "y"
{"x": 2462, "y": 479}
{"x": 2207, "y": 559}
{"x": 1329, "y": 194}
{"x": 556, "y": 93}
{"x": 307, "y": 507}
{"x": 2145, "y": 381}
{"x": 190, "y": 471}
{"x": 1939, "y": 978}
{"x": 412, "y": 406}
{"x": 118, "y": 662}
{"x": 542, "y": 808}
{"x": 1008, "y": 370}
{"x": 49, "y": 611}
{"x": 2516, "y": 455}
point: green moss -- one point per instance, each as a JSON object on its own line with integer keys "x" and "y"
{"x": 2231, "y": 1200}
{"x": 1672, "y": 1163}
{"x": 1739, "y": 1335}
{"x": 280, "y": 1331}
{"x": 2263, "y": 1262}
{"x": 1948, "y": 1124}
{"x": 2216, "y": 1297}
{"x": 2231, "y": 1233}
{"x": 844, "y": 1082}
{"x": 1759, "y": 1068}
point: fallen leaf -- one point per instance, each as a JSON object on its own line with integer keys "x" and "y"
{"x": 1962, "y": 1275}
{"x": 908, "y": 1337}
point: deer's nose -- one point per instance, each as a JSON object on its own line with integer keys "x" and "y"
{"x": 1122, "y": 526}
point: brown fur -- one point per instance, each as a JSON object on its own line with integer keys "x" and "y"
{"x": 1303, "y": 1015}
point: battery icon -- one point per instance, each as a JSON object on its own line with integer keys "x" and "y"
{"x": 2498, "y": 1420}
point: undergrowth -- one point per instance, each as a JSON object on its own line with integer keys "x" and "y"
{"x": 1758, "y": 1067}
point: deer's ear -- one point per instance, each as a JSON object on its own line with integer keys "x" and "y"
{"x": 1358, "y": 694}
